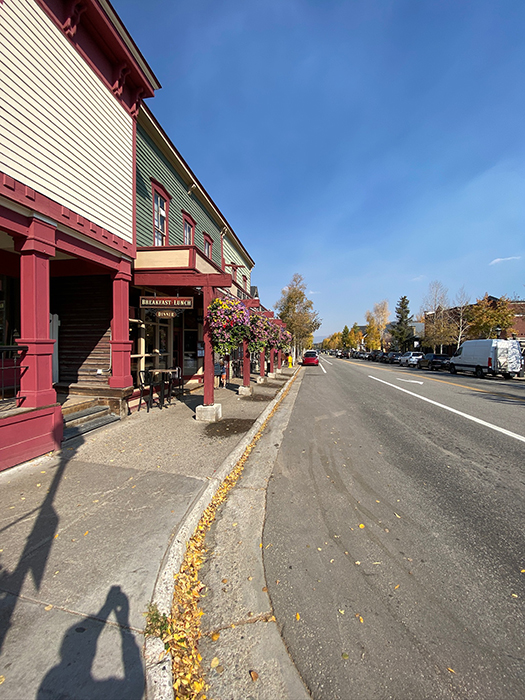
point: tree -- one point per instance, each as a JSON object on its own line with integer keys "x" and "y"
{"x": 345, "y": 338}
{"x": 460, "y": 317}
{"x": 297, "y": 311}
{"x": 401, "y": 330}
{"x": 490, "y": 316}
{"x": 436, "y": 314}
{"x": 355, "y": 337}
{"x": 373, "y": 336}
{"x": 381, "y": 316}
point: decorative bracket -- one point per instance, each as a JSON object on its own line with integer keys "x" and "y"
{"x": 75, "y": 10}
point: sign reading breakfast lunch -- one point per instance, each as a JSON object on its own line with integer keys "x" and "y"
{"x": 166, "y": 303}
{"x": 167, "y": 307}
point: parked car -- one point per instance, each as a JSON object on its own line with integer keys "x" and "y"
{"x": 498, "y": 356}
{"x": 433, "y": 361}
{"x": 391, "y": 357}
{"x": 310, "y": 357}
{"x": 410, "y": 359}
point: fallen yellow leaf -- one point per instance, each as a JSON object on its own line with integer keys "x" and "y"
{"x": 297, "y": 616}
{"x": 254, "y": 675}
{"x": 2, "y": 679}
{"x": 86, "y": 532}
{"x": 361, "y": 526}
{"x": 214, "y": 662}
{"x": 215, "y": 636}
{"x": 342, "y": 612}
{"x": 397, "y": 516}
{"x": 451, "y": 670}
{"x": 396, "y": 587}
{"x": 48, "y": 607}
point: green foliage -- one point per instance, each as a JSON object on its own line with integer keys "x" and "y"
{"x": 402, "y": 330}
{"x": 345, "y": 337}
{"x": 157, "y": 623}
{"x": 297, "y": 311}
{"x": 487, "y": 315}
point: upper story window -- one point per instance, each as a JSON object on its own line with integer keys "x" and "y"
{"x": 234, "y": 272}
{"x": 161, "y": 200}
{"x": 245, "y": 283}
{"x": 188, "y": 234}
{"x": 208, "y": 245}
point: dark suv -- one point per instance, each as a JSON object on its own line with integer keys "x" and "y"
{"x": 433, "y": 361}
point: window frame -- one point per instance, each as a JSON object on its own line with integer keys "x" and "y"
{"x": 158, "y": 190}
{"x": 187, "y": 219}
{"x": 208, "y": 241}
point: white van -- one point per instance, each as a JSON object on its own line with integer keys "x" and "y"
{"x": 488, "y": 357}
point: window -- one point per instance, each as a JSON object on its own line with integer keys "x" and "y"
{"x": 159, "y": 236}
{"x": 161, "y": 200}
{"x": 188, "y": 229}
{"x": 245, "y": 283}
{"x": 208, "y": 244}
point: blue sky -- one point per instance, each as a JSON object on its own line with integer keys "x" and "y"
{"x": 373, "y": 146}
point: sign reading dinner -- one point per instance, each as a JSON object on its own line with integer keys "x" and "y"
{"x": 166, "y": 302}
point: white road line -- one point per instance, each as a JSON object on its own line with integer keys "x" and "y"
{"x": 410, "y": 381}
{"x": 321, "y": 366}
{"x": 453, "y": 410}
{"x": 325, "y": 360}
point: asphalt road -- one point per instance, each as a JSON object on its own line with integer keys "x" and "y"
{"x": 394, "y": 544}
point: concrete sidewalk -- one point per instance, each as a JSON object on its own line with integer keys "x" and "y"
{"x": 88, "y": 536}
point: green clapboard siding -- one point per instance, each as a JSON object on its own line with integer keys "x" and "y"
{"x": 233, "y": 255}
{"x": 152, "y": 163}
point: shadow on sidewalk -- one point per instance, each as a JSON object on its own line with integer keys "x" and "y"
{"x": 35, "y": 554}
{"x": 72, "y": 678}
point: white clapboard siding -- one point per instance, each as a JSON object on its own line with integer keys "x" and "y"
{"x": 62, "y": 132}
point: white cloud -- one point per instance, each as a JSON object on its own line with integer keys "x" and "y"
{"x": 418, "y": 279}
{"x": 311, "y": 292}
{"x": 499, "y": 260}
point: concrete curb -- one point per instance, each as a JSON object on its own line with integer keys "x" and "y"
{"x": 159, "y": 678}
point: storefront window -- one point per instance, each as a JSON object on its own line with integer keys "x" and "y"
{"x": 190, "y": 352}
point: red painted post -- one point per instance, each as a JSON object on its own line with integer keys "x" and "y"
{"x": 262, "y": 368}
{"x": 120, "y": 342}
{"x": 272, "y": 357}
{"x": 245, "y": 364}
{"x": 36, "y": 381}
{"x": 209, "y": 399}
{"x": 279, "y": 359}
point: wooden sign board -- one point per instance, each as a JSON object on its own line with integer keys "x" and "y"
{"x": 166, "y": 303}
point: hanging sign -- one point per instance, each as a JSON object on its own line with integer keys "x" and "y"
{"x": 166, "y": 303}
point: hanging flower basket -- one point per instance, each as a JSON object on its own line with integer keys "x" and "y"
{"x": 285, "y": 340}
{"x": 229, "y": 324}
{"x": 260, "y": 329}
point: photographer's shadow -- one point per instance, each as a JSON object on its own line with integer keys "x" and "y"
{"x": 72, "y": 678}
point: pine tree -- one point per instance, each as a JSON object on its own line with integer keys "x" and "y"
{"x": 345, "y": 337}
{"x": 402, "y": 330}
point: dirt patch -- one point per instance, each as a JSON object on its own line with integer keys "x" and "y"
{"x": 258, "y": 397}
{"x": 229, "y": 426}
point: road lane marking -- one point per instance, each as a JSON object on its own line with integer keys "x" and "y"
{"x": 410, "y": 381}
{"x": 453, "y": 410}
{"x": 321, "y": 366}
{"x": 325, "y": 360}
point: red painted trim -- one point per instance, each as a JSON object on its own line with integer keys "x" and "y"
{"x": 158, "y": 188}
{"x": 134, "y": 146}
{"x": 184, "y": 278}
{"x": 18, "y": 192}
{"x": 187, "y": 218}
{"x": 30, "y": 434}
{"x": 90, "y": 31}
{"x": 207, "y": 239}
{"x": 82, "y": 249}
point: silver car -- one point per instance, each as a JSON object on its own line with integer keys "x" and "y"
{"x": 410, "y": 359}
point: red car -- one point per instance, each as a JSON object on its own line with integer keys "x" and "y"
{"x": 310, "y": 357}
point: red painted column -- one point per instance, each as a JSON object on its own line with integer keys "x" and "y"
{"x": 208, "y": 350}
{"x": 279, "y": 359}
{"x": 262, "y": 362}
{"x": 120, "y": 342}
{"x": 245, "y": 364}
{"x": 272, "y": 358}
{"x": 36, "y": 380}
